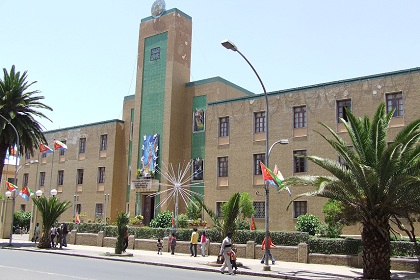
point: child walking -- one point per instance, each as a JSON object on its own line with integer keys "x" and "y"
{"x": 173, "y": 243}
{"x": 159, "y": 246}
{"x": 233, "y": 258}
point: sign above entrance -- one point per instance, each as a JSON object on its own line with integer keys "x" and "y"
{"x": 144, "y": 184}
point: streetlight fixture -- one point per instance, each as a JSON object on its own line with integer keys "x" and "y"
{"x": 53, "y": 192}
{"x": 231, "y": 46}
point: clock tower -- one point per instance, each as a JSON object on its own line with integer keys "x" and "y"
{"x": 162, "y": 108}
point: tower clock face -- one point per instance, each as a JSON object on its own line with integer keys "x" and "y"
{"x": 158, "y": 8}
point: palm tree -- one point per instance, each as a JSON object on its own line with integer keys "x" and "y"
{"x": 20, "y": 107}
{"x": 50, "y": 209}
{"x": 378, "y": 181}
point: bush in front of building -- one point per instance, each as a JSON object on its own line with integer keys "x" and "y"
{"x": 162, "y": 220}
{"x": 308, "y": 223}
{"x": 336, "y": 246}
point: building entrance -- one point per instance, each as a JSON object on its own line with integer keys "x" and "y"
{"x": 148, "y": 209}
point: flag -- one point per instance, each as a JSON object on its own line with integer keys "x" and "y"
{"x": 10, "y": 186}
{"x": 252, "y": 224}
{"x": 268, "y": 175}
{"x": 279, "y": 180}
{"x": 275, "y": 178}
{"x": 44, "y": 148}
{"x": 77, "y": 219}
{"x": 59, "y": 145}
{"x": 26, "y": 193}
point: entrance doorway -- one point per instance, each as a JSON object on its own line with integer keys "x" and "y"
{"x": 148, "y": 209}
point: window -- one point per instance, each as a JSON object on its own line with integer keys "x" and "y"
{"x": 259, "y": 207}
{"x": 78, "y": 208}
{"x": 300, "y": 163}
{"x": 224, "y": 127}
{"x": 395, "y": 101}
{"x": 299, "y": 208}
{"x": 82, "y": 145}
{"x": 99, "y": 210}
{"x": 12, "y": 180}
{"x": 25, "y": 179}
{"x": 44, "y": 155}
{"x": 60, "y": 178}
{"x": 104, "y": 142}
{"x": 257, "y": 166}
{"x": 341, "y": 109}
{"x": 222, "y": 167}
{"x": 27, "y": 155}
{"x": 259, "y": 121}
{"x": 62, "y": 151}
{"x": 299, "y": 114}
{"x": 219, "y": 211}
{"x": 41, "y": 179}
{"x": 79, "y": 176}
{"x": 198, "y": 169}
{"x": 23, "y": 208}
{"x": 101, "y": 175}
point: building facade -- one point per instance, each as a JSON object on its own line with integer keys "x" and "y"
{"x": 213, "y": 124}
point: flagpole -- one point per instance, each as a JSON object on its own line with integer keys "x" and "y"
{"x": 52, "y": 165}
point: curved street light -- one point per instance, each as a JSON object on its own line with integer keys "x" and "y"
{"x": 16, "y": 171}
{"x": 230, "y": 46}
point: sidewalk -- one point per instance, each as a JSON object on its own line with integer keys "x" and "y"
{"x": 281, "y": 270}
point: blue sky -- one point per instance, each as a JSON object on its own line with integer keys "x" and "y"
{"x": 83, "y": 53}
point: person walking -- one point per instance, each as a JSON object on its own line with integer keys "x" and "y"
{"x": 125, "y": 239}
{"x": 36, "y": 233}
{"x": 233, "y": 258}
{"x": 173, "y": 243}
{"x": 53, "y": 233}
{"x": 194, "y": 242}
{"x": 65, "y": 232}
{"x": 159, "y": 246}
{"x": 203, "y": 244}
{"x": 60, "y": 236}
{"x": 225, "y": 250}
{"x": 269, "y": 244}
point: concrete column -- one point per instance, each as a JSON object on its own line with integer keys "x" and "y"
{"x": 73, "y": 235}
{"x": 131, "y": 241}
{"x": 166, "y": 245}
{"x": 100, "y": 239}
{"x": 250, "y": 250}
{"x": 6, "y": 218}
{"x": 303, "y": 253}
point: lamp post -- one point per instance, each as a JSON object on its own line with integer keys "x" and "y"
{"x": 230, "y": 46}
{"x": 16, "y": 171}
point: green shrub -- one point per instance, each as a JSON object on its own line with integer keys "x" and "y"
{"x": 342, "y": 246}
{"x": 182, "y": 221}
{"x": 308, "y": 223}
{"x": 242, "y": 224}
{"x": 21, "y": 219}
{"x": 162, "y": 220}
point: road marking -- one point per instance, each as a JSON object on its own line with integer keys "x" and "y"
{"x": 44, "y": 272}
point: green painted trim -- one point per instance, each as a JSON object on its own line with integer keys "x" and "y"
{"x": 130, "y": 157}
{"x": 129, "y": 97}
{"x": 173, "y": 10}
{"x": 83, "y": 125}
{"x": 311, "y": 87}
{"x": 220, "y": 80}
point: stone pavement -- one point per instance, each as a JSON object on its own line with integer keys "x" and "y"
{"x": 280, "y": 270}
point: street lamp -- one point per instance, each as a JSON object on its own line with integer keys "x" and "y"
{"x": 230, "y": 46}
{"x": 53, "y": 192}
{"x": 16, "y": 171}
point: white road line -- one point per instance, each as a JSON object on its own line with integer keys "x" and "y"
{"x": 44, "y": 272}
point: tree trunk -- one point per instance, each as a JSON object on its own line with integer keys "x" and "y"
{"x": 376, "y": 249}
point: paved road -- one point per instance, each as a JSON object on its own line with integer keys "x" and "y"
{"x": 23, "y": 265}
